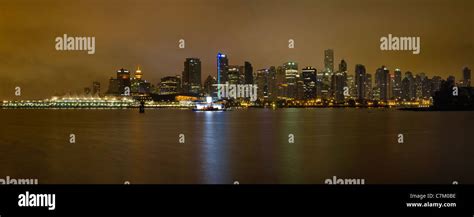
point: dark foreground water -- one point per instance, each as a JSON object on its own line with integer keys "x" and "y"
{"x": 249, "y": 146}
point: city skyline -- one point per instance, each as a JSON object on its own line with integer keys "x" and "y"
{"x": 189, "y": 83}
{"x": 147, "y": 35}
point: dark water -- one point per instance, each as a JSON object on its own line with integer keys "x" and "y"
{"x": 249, "y": 146}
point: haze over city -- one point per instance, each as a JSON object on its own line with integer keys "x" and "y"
{"x": 146, "y": 34}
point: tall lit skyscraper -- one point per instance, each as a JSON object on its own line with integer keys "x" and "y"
{"x": 360, "y": 81}
{"x": 329, "y": 61}
{"x": 337, "y": 86}
{"x": 408, "y": 87}
{"x": 191, "y": 79}
{"x": 308, "y": 75}
{"x": 339, "y": 81}
{"x": 291, "y": 77}
{"x": 369, "y": 93}
{"x": 352, "y": 88}
{"x": 382, "y": 78}
{"x": 397, "y": 84}
{"x": 234, "y": 74}
{"x": 222, "y": 68}
{"x": 262, "y": 81}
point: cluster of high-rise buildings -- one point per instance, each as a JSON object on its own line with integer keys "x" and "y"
{"x": 290, "y": 82}
{"x": 127, "y": 84}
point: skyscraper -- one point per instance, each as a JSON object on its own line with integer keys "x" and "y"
{"x": 329, "y": 61}
{"x": 408, "y": 87}
{"x": 234, "y": 74}
{"x": 169, "y": 85}
{"x": 248, "y": 71}
{"x": 397, "y": 84}
{"x": 369, "y": 95}
{"x": 261, "y": 81}
{"x": 308, "y": 75}
{"x": 291, "y": 77}
{"x": 382, "y": 78}
{"x": 426, "y": 86}
{"x": 222, "y": 68}
{"x": 191, "y": 79}
{"x": 337, "y": 87}
{"x": 360, "y": 81}
{"x": 339, "y": 82}
{"x": 343, "y": 71}
{"x": 352, "y": 87}
{"x": 118, "y": 85}
{"x": 266, "y": 81}
{"x": 280, "y": 82}
{"x": 209, "y": 86}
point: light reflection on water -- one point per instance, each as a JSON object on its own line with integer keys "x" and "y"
{"x": 249, "y": 146}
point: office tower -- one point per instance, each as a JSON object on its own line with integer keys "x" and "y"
{"x": 96, "y": 88}
{"x": 466, "y": 74}
{"x": 222, "y": 68}
{"x": 382, "y": 78}
{"x": 281, "y": 82}
{"x": 118, "y": 85}
{"x": 368, "y": 87}
{"x": 320, "y": 84}
{"x": 267, "y": 83}
{"x": 210, "y": 88}
{"x": 419, "y": 79}
{"x": 169, "y": 85}
{"x": 272, "y": 83}
{"x": 291, "y": 78}
{"x": 343, "y": 70}
{"x": 397, "y": 84}
{"x": 329, "y": 61}
{"x": 234, "y": 74}
{"x": 262, "y": 80}
{"x": 248, "y": 71}
{"x": 308, "y": 75}
{"x": 360, "y": 77}
{"x": 352, "y": 87}
{"x": 339, "y": 81}
{"x": 408, "y": 87}
{"x": 299, "y": 89}
{"x": 191, "y": 78}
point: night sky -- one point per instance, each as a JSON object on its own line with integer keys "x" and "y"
{"x": 145, "y": 33}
